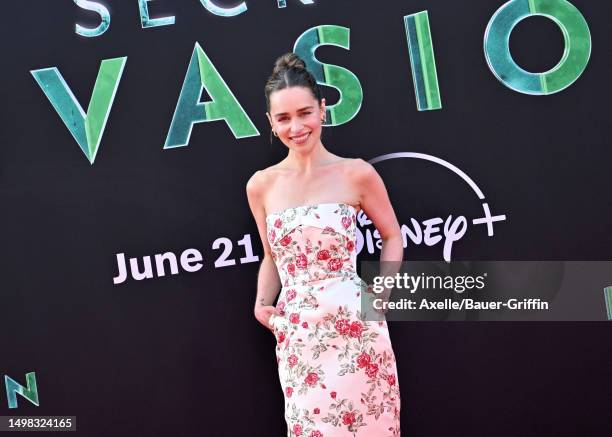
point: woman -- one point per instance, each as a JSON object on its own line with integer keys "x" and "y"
{"x": 337, "y": 370}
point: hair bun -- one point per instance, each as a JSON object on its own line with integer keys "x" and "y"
{"x": 290, "y": 71}
{"x": 288, "y": 61}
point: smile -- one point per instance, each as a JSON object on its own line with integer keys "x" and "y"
{"x": 300, "y": 139}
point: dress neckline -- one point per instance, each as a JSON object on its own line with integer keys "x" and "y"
{"x": 309, "y": 206}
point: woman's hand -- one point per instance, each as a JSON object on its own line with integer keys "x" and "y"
{"x": 263, "y": 314}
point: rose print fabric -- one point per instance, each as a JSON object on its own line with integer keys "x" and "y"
{"x": 337, "y": 371}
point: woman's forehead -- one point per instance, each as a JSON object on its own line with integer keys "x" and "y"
{"x": 291, "y": 99}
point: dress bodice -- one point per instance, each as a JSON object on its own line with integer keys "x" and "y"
{"x": 313, "y": 242}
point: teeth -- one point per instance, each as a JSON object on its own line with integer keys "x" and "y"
{"x": 300, "y": 138}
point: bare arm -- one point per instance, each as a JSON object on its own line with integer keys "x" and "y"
{"x": 268, "y": 281}
{"x": 377, "y": 206}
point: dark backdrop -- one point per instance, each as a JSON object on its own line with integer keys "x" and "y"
{"x": 182, "y": 354}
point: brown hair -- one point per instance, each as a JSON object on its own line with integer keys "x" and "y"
{"x": 290, "y": 70}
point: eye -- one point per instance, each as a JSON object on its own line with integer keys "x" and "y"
{"x": 306, "y": 113}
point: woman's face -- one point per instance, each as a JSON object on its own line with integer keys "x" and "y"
{"x": 296, "y": 117}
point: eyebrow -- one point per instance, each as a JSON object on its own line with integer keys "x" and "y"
{"x": 301, "y": 109}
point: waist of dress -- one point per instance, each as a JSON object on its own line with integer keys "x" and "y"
{"x": 306, "y": 279}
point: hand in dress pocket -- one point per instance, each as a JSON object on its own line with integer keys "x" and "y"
{"x": 265, "y": 315}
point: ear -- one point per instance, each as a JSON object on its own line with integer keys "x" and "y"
{"x": 269, "y": 119}
{"x": 323, "y": 105}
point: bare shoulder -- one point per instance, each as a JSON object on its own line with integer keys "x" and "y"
{"x": 253, "y": 185}
{"x": 256, "y": 184}
{"x": 261, "y": 179}
{"x": 360, "y": 170}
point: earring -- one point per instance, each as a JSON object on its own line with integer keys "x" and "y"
{"x": 274, "y": 133}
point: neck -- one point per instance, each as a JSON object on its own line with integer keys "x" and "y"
{"x": 307, "y": 161}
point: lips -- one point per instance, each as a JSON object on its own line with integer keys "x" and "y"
{"x": 300, "y": 139}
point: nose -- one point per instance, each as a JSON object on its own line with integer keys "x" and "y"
{"x": 296, "y": 126}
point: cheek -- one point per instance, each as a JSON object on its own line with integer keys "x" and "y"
{"x": 283, "y": 130}
{"x": 313, "y": 122}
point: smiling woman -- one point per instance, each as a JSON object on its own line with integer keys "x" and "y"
{"x": 296, "y": 126}
{"x": 336, "y": 364}
{"x": 299, "y": 109}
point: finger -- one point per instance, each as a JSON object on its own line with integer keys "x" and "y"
{"x": 269, "y": 321}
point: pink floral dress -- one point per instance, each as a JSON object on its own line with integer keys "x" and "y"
{"x": 337, "y": 370}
